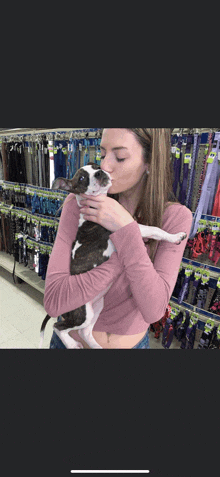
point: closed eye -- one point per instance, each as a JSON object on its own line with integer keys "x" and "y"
{"x": 119, "y": 160}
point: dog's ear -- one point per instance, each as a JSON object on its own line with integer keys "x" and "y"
{"x": 62, "y": 184}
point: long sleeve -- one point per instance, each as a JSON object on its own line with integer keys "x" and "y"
{"x": 151, "y": 284}
{"x": 63, "y": 292}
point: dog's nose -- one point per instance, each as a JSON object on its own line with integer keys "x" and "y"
{"x": 102, "y": 177}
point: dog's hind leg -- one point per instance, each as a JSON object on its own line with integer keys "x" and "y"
{"x": 92, "y": 312}
{"x": 66, "y": 339}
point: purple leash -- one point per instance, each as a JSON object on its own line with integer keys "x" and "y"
{"x": 208, "y": 187}
{"x": 197, "y": 141}
{"x": 182, "y": 196}
{"x": 177, "y": 165}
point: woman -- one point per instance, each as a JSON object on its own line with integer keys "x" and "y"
{"x": 143, "y": 272}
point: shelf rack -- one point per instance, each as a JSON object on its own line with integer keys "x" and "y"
{"x": 7, "y": 262}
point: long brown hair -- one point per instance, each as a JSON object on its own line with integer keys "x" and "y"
{"x": 157, "y": 186}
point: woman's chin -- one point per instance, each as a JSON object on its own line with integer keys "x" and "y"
{"x": 113, "y": 190}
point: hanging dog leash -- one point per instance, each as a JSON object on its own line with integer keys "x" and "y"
{"x": 207, "y": 335}
{"x": 208, "y": 187}
{"x": 208, "y": 151}
{"x": 215, "y": 342}
{"x": 197, "y": 142}
{"x": 177, "y": 164}
{"x": 191, "y": 331}
{"x": 187, "y": 160}
{"x": 185, "y": 288}
{"x": 212, "y": 190}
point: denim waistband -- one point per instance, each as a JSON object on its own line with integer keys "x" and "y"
{"x": 56, "y": 343}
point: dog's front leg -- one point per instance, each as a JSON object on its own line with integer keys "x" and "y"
{"x": 158, "y": 234}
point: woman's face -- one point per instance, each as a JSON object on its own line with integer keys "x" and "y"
{"x": 122, "y": 158}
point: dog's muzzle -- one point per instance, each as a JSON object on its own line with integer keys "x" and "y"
{"x": 103, "y": 178}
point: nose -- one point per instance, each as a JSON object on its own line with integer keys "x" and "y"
{"x": 102, "y": 177}
{"x": 99, "y": 174}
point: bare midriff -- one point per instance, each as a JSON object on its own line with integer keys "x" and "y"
{"x": 111, "y": 341}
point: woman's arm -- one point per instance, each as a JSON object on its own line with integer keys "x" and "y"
{"x": 63, "y": 292}
{"x": 151, "y": 284}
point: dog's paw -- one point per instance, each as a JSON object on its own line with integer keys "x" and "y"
{"x": 180, "y": 237}
{"x": 80, "y": 346}
{"x": 75, "y": 346}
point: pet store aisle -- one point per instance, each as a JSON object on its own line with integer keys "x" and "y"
{"x": 21, "y": 315}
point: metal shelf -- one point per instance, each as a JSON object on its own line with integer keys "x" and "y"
{"x": 27, "y": 275}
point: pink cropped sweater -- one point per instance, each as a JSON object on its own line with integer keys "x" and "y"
{"x": 141, "y": 290}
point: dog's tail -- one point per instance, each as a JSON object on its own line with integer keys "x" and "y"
{"x": 44, "y": 324}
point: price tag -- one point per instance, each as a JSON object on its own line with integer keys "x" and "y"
{"x": 206, "y": 149}
{"x": 211, "y": 157}
{"x": 177, "y": 153}
{"x": 188, "y": 159}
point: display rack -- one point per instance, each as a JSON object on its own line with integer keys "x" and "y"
{"x": 199, "y": 130}
{"x": 7, "y": 262}
{"x": 25, "y": 132}
{"x": 25, "y": 274}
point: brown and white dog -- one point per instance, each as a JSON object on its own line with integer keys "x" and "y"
{"x": 91, "y": 248}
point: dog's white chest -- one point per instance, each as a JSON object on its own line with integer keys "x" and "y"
{"x": 106, "y": 253}
{"x": 77, "y": 246}
{"x": 109, "y": 251}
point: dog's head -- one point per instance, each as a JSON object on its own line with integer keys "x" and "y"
{"x": 89, "y": 180}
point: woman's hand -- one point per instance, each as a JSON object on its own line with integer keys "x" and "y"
{"x": 106, "y": 212}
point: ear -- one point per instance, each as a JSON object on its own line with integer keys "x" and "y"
{"x": 62, "y": 184}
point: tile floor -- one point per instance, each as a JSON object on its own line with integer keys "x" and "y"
{"x": 22, "y": 314}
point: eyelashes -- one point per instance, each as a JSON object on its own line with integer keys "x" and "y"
{"x": 119, "y": 160}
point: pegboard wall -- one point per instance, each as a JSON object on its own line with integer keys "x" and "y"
{"x": 31, "y": 136}
{"x": 199, "y": 167}
{"x": 34, "y": 132}
{"x": 27, "y": 156}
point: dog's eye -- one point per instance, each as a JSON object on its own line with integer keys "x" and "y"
{"x": 82, "y": 178}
